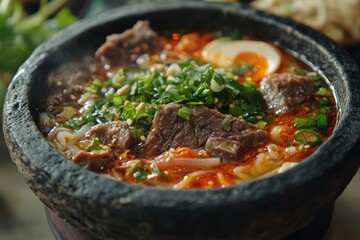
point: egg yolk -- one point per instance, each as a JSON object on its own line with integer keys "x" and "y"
{"x": 258, "y": 62}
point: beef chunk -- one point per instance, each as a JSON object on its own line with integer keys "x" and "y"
{"x": 67, "y": 83}
{"x": 203, "y": 130}
{"x": 233, "y": 144}
{"x": 126, "y": 47}
{"x": 116, "y": 135}
{"x": 285, "y": 92}
{"x": 94, "y": 161}
{"x": 224, "y": 148}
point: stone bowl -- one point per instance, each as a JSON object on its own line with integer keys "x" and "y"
{"x": 270, "y": 208}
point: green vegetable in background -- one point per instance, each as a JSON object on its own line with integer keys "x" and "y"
{"x": 20, "y": 33}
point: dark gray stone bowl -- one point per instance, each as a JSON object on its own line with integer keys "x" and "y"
{"x": 270, "y": 208}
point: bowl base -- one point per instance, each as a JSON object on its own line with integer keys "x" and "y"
{"x": 315, "y": 230}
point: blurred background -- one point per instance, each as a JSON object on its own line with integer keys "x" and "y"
{"x": 24, "y": 24}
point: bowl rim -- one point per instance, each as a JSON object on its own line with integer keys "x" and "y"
{"x": 34, "y": 142}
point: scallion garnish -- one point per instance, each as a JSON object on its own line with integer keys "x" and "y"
{"x": 185, "y": 113}
{"x": 322, "y": 121}
{"x": 195, "y": 85}
{"x": 261, "y": 124}
{"x": 226, "y": 125}
{"x": 308, "y": 137}
{"x": 305, "y": 122}
{"x": 140, "y": 175}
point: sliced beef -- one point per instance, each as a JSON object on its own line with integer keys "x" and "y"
{"x": 94, "y": 161}
{"x": 203, "y": 130}
{"x": 126, "y": 47}
{"x": 67, "y": 83}
{"x": 116, "y": 135}
{"x": 285, "y": 92}
{"x": 234, "y": 143}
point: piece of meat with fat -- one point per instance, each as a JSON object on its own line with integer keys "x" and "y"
{"x": 203, "y": 130}
{"x": 115, "y": 135}
{"x": 284, "y": 92}
{"x": 242, "y": 137}
{"x": 126, "y": 47}
{"x": 67, "y": 83}
{"x": 94, "y": 161}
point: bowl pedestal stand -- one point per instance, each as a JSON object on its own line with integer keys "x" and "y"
{"x": 315, "y": 230}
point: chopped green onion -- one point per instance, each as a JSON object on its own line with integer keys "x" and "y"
{"x": 324, "y": 105}
{"x": 118, "y": 78}
{"x": 76, "y": 123}
{"x": 236, "y": 111}
{"x": 308, "y": 137}
{"x": 261, "y": 124}
{"x": 93, "y": 145}
{"x": 195, "y": 85}
{"x": 185, "y": 113}
{"x": 140, "y": 175}
{"x": 226, "y": 125}
{"x": 322, "y": 121}
{"x": 132, "y": 166}
{"x": 323, "y": 92}
{"x": 305, "y": 122}
{"x": 158, "y": 171}
{"x": 324, "y": 102}
{"x": 118, "y": 100}
{"x": 136, "y": 134}
{"x": 215, "y": 86}
{"x": 68, "y": 112}
{"x": 324, "y": 110}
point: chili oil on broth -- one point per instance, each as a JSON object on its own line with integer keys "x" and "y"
{"x": 119, "y": 97}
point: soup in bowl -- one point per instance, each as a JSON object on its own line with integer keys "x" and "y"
{"x": 190, "y": 110}
{"x": 227, "y": 123}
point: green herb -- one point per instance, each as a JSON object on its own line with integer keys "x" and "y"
{"x": 136, "y": 134}
{"x": 308, "y": 137}
{"x": 118, "y": 78}
{"x": 158, "y": 171}
{"x": 322, "y": 121}
{"x": 261, "y": 124}
{"x": 95, "y": 144}
{"x": 323, "y": 91}
{"x": 325, "y": 105}
{"x": 185, "y": 113}
{"x": 118, "y": 100}
{"x": 77, "y": 123}
{"x": 195, "y": 85}
{"x": 92, "y": 145}
{"x": 236, "y": 111}
{"x": 324, "y": 102}
{"x": 94, "y": 86}
{"x": 305, "y": 122}
{"x": 68, "y": 112}
{"x": 140, "y": 175}
{"x": 226, "y": 125}
{"x": 132, "y": 167}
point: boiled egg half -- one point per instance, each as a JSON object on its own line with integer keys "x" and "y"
{"x": 224, "y": 52}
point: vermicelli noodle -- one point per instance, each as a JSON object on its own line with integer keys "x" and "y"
{"x": 337, "y": 19}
